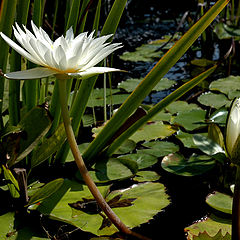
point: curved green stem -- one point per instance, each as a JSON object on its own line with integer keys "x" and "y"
{"x": 81, "y": 165}
{"x": 236, "y": 208}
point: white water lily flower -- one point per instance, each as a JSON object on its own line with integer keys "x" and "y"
{"x": 76, "y": 57}
{"x": 233, "y": 126}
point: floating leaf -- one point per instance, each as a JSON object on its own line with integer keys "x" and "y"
{"x": 213, "y": 100}
{"x": 211, "y": 225}
{"x": 152, "y": 131}
{"x": 220, "y": 201}
{"x": 207, "y": 145}
{"x": 191, "y": 120}
{"x": 219, "y": 116}
{"x": 143, "y": 160}
{"x": 146, "y": 176}
{"x": 226, "y": 85}
{"x": 150, "y": 199}
{"x": 159, "y": 148}
{"x": 112, "y": 169}
{"x": 181, "y": 106}
{"x": 126, "y": 147}
{"x": 97, "y": 97}
{"x": 144, "y": 53}
{"x": 218, "y": 236}
{"x": 195, "y": 165}
{"x": 130, "y": 84}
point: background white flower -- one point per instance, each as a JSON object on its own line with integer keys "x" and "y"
{"x": 66, "y": 55}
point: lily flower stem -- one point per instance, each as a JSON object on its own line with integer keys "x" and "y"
{"x": 81, "y": 165}
{"x": 236, "y": 208}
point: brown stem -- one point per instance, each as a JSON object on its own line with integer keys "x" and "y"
{"x": 82, "y": 167}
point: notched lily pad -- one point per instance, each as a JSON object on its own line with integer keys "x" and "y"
{"x": 226, "y": 85}
{"x": 146, "y": 176}
{"x": 195, "y": 165}
{"x": 130, "y": 84}
{"x": 218, "y": 236}
{"x": 141, "y": 202}
{"x": 213, "y": 100}
{"x": 211, "y": 225}
{"x": 181, "y": 106}
{"x": 152, "y": 130}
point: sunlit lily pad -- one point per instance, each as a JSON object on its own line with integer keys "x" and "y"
{"x": 126, "y": 147}
{"x": 218, "y": 236}
{"x": 143, "y": 160}
{"x": 226, "y": 85}
{"x": 146, "y": 176}
{"x": 144, "y": 53}
{"x": 195, "y": 165}
{"x": 159, "y": 148}
{"x": 207, "y": 145}
{"x": 181, "y": 106}
{"x": 130, "y": 84}
{"x": 191, "y": 120}
{"x": 97, "y": 97}
{"x": 187, "y": 138}
{"x": 152, "y": 131}
{"x": 212, "y": 225}
{"x": 213, "y": 100}
{"x": 145, "y": 201}
{"x": 112, "y": 169}
{"x": 220, "y": 201}
{"x": 219, "y": 116}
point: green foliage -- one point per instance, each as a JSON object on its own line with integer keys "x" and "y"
{"x": 57, "y": 205}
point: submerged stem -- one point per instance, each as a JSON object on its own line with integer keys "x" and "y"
{"x": 236, "y": 208}
{"x": 82, "y": 167}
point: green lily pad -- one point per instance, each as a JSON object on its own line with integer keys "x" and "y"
{"x": 159, "y": 148}
{"x": 162, "y": 116}
{"x": 219, "y": 116}
{"x": 181, "y": 106}
{"x": 207, "y": 145}
{"x": 186, "y": 139}
{"x": 220, "y": 201}
{"x": 145, "y": 201}
{"x": 130, "y": 84}
{"x": 213, "y": 100}
{"x": 152, "y": 131}
{"x": 218, "y": 236}
{"x": 226, "y": 85}
{"x": 195, "y": 165}
{"x": 97, "y": 97}
{"x": 143, "y": 160}
{"x": 211, "y": 225}
{"x": 144, "y": 53}
{"x": 146, "y": 176}
{"x": 112, "y": 169}
{"x": 191, "y": 120}
{"x": 126, "y": 147}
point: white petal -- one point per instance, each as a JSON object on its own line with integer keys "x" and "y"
{"x": 69, "y": 34}
{"x": 33, "y": 73}
{"x": 18, "y": 49}
{"x": 93, "y": 71}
